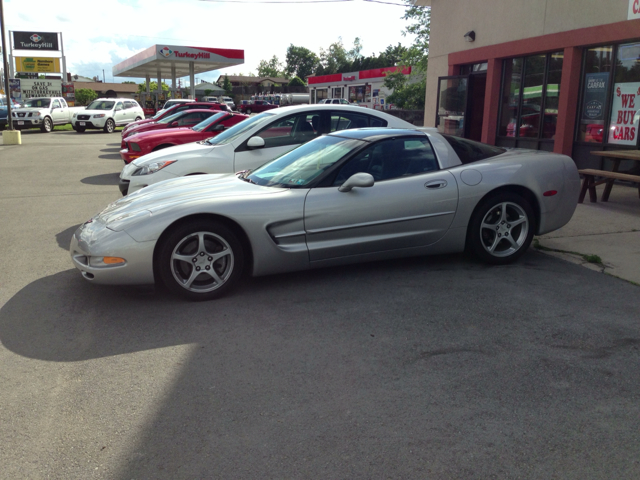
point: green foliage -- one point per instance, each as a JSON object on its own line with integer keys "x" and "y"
{"x": 153, "y": 86}
{"x": 207, "y": 92}
{"x": 228, "y": 88}
{"x": 301, "y": 62}
{"x": 129, "y": 82}
{"x": 84, "y": 96}
{"x": 270, "y": 68}
{"x": 296, "y": 82}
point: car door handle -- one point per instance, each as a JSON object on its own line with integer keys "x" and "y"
{"x": 436, "y": 184}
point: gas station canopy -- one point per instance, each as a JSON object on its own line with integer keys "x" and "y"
{"x": 163, "y": 59}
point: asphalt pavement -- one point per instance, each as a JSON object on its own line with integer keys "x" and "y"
{"x": 433, "y": 367}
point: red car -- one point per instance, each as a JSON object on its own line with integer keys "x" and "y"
{"x": 147, "y": 142}
{"x": 185, "y": 118}
{"x": 256, "y": 107}
{"x": 175, "y": 109}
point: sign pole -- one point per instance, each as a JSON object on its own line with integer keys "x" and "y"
{"x": 11, "y": 57}
{"x": 5, "y": 66}
{"x": 64, "y": 60}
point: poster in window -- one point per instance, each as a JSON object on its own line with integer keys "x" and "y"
{"x": 595, "y": 96}
{"x": 625, "y": 114}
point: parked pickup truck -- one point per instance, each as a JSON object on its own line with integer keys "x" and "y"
{"x": 256, "y": 107}
{"x": 43, "y": 113}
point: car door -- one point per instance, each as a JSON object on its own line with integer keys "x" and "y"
{"x": 411, "y": 204}
{"x": 58, "y": 115}
{"x": 120, "y": 114}
{"x": 280, "y": 136}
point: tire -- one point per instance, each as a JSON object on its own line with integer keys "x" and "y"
{"x": 47, "y": 125}
{"x": 80, "y": 129}
{"x": 109, "y": 126}
{"x": 207, "y": 246}
{"x": 137, "y": 119}
{"x": 248, "y": 111}
{"x": 501, "y": 228}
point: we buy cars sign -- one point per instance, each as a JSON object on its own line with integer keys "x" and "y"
{"x": 625, "y": 114}
{"x": 634, "y": 9}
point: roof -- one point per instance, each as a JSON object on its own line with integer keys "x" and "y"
{"x": 249, "y": 79}
{"x": 165, "y": 57}
{"x": 103, "y": 87}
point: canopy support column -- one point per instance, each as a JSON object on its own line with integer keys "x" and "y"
{"x": 159, "y": 89}
{"x": 192, "y": 80}
{"x": 173, "y": 81}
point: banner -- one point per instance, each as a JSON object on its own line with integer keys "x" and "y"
{"x": 69, "y": 93}
{"x": 34, "y": 88}
{"x": 595, "y": 96}
{"x": 14, "y": 89}
{"x": 625, "y": 114}
{"x": 35, "y": 41}
{"x": 38, "y": 64}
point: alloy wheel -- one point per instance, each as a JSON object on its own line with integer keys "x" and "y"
{"x": 504, "y": 229}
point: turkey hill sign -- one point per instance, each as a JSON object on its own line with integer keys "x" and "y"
{"x": 35, "y": 41}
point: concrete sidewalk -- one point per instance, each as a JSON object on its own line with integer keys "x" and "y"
{"x": 610, "y": 230}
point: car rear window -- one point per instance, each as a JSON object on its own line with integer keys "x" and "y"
{"x": 470, "y": 151}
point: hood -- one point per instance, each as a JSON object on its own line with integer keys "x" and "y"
{"x": 29, "y": 109}
{"x": 202, "y": 189}
{"x": 160, "y": 132}
{"x": 170, "y": 152}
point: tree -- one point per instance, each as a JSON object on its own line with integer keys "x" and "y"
{"x": 296, "y": 82}
{"x": 153, "y": 86}
{"x": 84, "y": 96}
{"x": 129, "y": 82}
{"x": 270, "y": 68}
{"x": 228, "y": 88}
{"x": 207, "y": 92}
{"x": 334, "y": 59}
{"x": 301, "y": 62}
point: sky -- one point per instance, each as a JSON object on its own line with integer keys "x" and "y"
{"x": 98, "y": 35}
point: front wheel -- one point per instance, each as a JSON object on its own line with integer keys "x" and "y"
{"x": 200, "y": 260}
{"x": 47, "y": 125}
{"x": 110, "y": 126}
{"x": 80, "y": 129}
{"x": 501, "y": 228}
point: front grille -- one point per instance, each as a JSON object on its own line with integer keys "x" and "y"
{"x": 84, "y": 117}
{"x": 21, "y": 114}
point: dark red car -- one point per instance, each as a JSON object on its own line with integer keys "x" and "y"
{"x": 175, "y": 109}
{"x": 185, "y": 118}
{"x": 256, "y": 107}
{"x": 147, "y": 142}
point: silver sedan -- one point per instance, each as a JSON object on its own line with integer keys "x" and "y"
{"x": 352, "y": 196}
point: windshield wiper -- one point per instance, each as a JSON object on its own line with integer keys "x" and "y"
{"x": 242, "y": 175}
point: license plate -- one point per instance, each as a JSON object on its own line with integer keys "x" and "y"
{"x": 20, "y": 122}
{"x": 82, "y": 124}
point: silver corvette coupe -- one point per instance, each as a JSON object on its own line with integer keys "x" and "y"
{"x": 351, "y": 196}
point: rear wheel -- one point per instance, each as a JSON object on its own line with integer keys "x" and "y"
{"x": 501, "y": 228}
{"x": 200, "y": 260}
{"x": 47, "y": 125}
{"x": 138, "y": 119}
{"x": 110, "y": 126}
{"x": 248, "y": 111}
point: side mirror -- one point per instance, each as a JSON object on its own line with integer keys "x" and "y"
{"x": 219, "y": 128}
{"x": 174, "y": 124}
{"x": 361, "y": 180}
{"x": 257, "y": 142}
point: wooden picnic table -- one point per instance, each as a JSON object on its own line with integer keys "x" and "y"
{"x": 589, "y": 184}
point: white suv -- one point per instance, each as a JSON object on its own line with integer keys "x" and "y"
{"x": 335, "y": 101}
{"x": 107, "y": 114}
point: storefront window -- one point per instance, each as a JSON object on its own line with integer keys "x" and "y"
{"x": 452, "y": 105}
{"x": 532, "y": 96}
{"x": 625, "y": 107}
{"x": 337, "y": 92}
{"x": 321, "y": 93}
{"x": 510, "y": 97}
{"x": 552, "y": 94}
{"x": 597, "y": 70}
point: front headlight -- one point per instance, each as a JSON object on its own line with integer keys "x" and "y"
{"x": 153, "y": 167}
{"x": 100, "y": 115}
{"x": 75, "y": 114}
{"x": 36, "y": 114}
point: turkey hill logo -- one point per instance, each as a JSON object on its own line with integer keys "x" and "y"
{"x": 165, "y": 52}
{"x": 35, "y": 38}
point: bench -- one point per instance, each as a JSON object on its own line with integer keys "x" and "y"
{"x": 589, "y": 183}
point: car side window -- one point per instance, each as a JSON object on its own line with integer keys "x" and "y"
{"x": 190, "y": 119}
{"x": 292, "y": 130}
{"x": 119, "y": 106}
{"x": 128, "y": 105}
{"x": 56, "y": 104}
{"x": 345, "y": 120}
{"x": 389, "y": 159}
{"x": 63, "y": 103}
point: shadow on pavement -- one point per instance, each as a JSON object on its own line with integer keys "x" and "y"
{"x": 111, "y": 150}
{"x": 64, "y": 238}
{"x": 104, "y": 179}
{"x": 419, "y": 368}
{"x": 111, "y": 156}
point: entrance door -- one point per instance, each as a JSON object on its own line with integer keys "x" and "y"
{"x": 475, "y": 106}
{"x": 461, "y": 105}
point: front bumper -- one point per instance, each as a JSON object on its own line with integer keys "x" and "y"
{"x": 129, "y": 157}
{"x": 92, "y": 123}
{"x": 20, "y": 123}
{"x": 94, "y": 240}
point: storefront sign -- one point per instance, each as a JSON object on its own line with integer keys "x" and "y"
{"x": 35, "y": 41}
{"x": 38, "y": 64}
{"x": 349, "y": 78}
{"x": 595, "y": 96}
{"x": 69, "y": 93}
{"x": 634, "y": 9}
{"x": 625, "y": 114}
{"x": 23, "y": 89}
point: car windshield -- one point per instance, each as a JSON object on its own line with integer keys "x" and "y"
{"x": 208, "y": 121}
{"x": 171, "y": 118}
{"x": 38, "y": 102}
{"x": 234, "y": 132}
{"x": 299, "y": 167}
{"x": 100, "y": 105}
